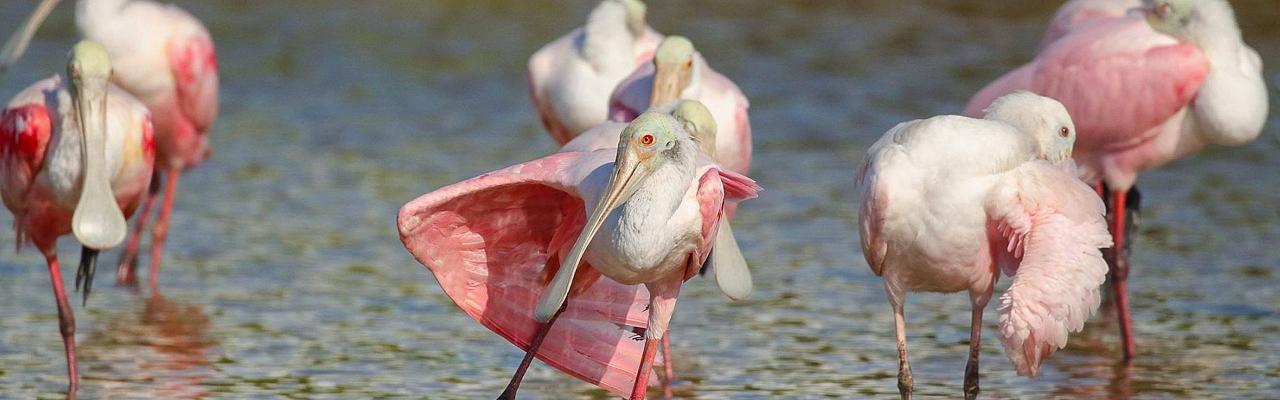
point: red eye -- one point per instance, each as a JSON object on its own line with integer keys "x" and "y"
{"x": 1064, "y": 132}
{"x": 646, "y": 140}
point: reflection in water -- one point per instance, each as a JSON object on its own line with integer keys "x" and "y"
{"x": 166, "y": 344}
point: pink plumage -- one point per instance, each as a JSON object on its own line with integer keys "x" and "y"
{"x": 494, "y": 241}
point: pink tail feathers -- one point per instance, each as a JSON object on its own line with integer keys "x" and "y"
{"x": 1055, "y": 288}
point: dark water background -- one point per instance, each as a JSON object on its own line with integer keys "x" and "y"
{"x": 285, "y": 276}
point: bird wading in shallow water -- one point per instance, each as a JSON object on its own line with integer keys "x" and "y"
{"x": 76, "y": 157}
{"x": 570, "y": 79}
{"x": 947, "y": 203}
{"x": 1153, "y": 86}
{"x": 551, "y": 253}
{"x": 164, "y": 57}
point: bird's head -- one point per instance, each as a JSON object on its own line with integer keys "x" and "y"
{"x": 698, "y": 122}
{"x": 1191, "y": 20}
{"x": 673, "y": 69}
{"x": 1046, "y": 120}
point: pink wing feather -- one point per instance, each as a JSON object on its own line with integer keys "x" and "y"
{"x": 487, "y": 241}
{"x": 195, "y": 72}
{"x": 631, "y": 97}
{"x": 1053, "y": 225}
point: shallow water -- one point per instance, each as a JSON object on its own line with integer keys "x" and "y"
{"x": 285, "y": 276}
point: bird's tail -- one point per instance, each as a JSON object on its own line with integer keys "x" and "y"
{"x": 1055, "y": 288}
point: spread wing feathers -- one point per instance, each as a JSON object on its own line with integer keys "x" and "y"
{"x": 717, "y": 190}
{"x": 1054, "y": 226}
{"x": 488, "y": 241}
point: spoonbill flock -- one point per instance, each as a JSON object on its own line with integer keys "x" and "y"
{"x": 578, "y": 257}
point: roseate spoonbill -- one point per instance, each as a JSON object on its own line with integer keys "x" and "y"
{"x": 75, "y": 156}
{"x": 502, "y": 246}
{"x": 1146, "y": 89}
{"x": 678, "y": 71}
{"x": 165, "y": 57}
{"x": 948, "y": 202}
{"x": 570, "y": 79}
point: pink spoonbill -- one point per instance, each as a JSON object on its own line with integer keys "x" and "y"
{"x": 573, "y": 255}
{"x": 679, "y": 71}
{"x": 76, "y": 157}
{"x": 164, "y": 57}
{"x": 1146, "y": 89}
{"x": 570, "y": 79}
{"x": 947, "y": 203}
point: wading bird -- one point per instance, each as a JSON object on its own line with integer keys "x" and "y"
{"x": 164, "y": 57}
{"x": 1146, "y": 89}
{"x": 678, "y": 71}
{"x": 503, "y": 247}
{"x": 570, "y": 79}
{"x": 75, "y": 156}
{"x": 947, "y": 203}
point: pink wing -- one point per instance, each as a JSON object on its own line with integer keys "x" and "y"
{"x": 631, "y": 97}
{"x": 1117, "y": 78}
{"x": 1053, "y": 225}
{"x": 1079, "y": 13}
{"x": 718, "y": 190}
{"x": 24, "y": 136}
{"x": 487, "y": 241}
{"x": 195, "y": 72}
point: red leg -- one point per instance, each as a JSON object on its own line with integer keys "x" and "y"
{"x": 127, "y": 271}
{"x": 641, "y": 386}
{"x": 1119, "y": 272}
{"x": 66, "y": 322}
{"x": 668, "y": 367}
{"x": 161, "y": 231}
{"x": 514, "y": 385}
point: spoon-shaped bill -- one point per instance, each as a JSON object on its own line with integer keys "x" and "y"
{"x": 97, "y": 222}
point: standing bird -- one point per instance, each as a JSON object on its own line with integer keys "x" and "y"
{"x": 948, "y": 202}
{"x": 570, "y": 79}
{"x": 1146, "y": 89}
{"x": 678, "y": 71}
{"x": 502, "y": 246}
{"x": 165, "y": 57}
{"x": 75, "y": 156}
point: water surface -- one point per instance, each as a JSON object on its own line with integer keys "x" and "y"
{"x": 285, "y": 276}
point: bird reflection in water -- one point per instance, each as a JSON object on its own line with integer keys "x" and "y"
{"x": 165, "y": 347}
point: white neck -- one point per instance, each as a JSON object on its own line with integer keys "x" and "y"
{"x": 1231, "y": 106}
{"x": 635, "y": 227}
{"x": 607, "y": 40}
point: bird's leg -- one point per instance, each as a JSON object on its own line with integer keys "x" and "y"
{"x": 641, "y": 386}
{"x": 900, "y": 326}
{"x": 979, "y": 301}
{"x": 161, "y": 231}
{"x": 543, "y": 328}
{"x": 127, "y": 271}
{"x": 66, "y": 322}
{"x": 668, "y": 369}
{"x": 662, "y": 304}
{"x": 1118, "y": 273}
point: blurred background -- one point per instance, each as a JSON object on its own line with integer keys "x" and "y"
{"x": 285, "y": 275}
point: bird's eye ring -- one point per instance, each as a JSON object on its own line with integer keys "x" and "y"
{"x": 646, "y": 140}
{"x": 1064, "y": 132}
{"x": 1164, "y": 9}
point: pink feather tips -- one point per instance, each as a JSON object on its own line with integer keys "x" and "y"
{"x": 1054, "y": 291}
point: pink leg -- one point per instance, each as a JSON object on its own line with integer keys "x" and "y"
{"x": 1119, "y": 273}
{"x": 127, "y": 271}
{"x": 514, "y": 385}
{"x": 66, "y": 322}
{"x": 668, "y": 367}
{"x": 641, "y": 387}
{"x": 161, "y": 231}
